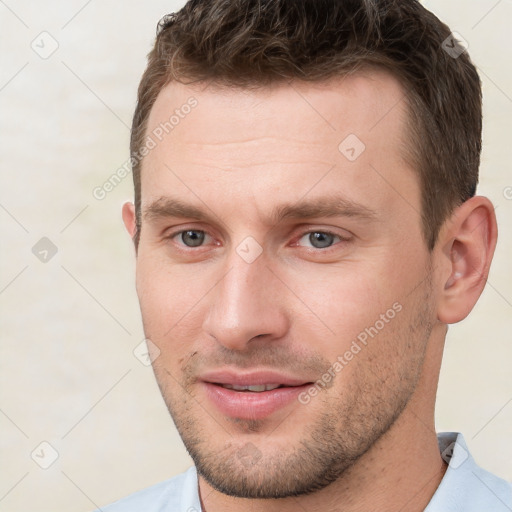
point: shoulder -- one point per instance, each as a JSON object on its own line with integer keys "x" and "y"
{"x": 465, "y": 485}
{"x": 491, "y": 492}
{"x": 178, "y": 494}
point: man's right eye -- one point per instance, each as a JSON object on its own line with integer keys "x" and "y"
{"x": 191, "y": 237}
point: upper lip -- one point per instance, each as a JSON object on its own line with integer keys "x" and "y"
{"x": 253, "y": 378}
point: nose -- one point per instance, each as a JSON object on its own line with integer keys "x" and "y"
{"x": 247, "y": 303}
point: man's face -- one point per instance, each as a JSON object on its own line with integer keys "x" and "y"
{"x": 271, "y": 255}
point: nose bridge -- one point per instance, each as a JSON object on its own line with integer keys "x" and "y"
{"x": 244, "y": 305}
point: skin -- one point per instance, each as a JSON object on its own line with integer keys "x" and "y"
{"x": 238, "y": 157}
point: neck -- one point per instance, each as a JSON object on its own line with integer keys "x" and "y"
{"x": 401, "y": 471}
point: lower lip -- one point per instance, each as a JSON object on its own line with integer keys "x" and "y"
{"x": 248, "y": 405}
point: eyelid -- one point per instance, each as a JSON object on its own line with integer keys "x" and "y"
{"x": 178, "y": 228}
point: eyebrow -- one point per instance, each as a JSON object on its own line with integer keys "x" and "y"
{"x": 169, "y": 207}
{"x": 330, "y": 206}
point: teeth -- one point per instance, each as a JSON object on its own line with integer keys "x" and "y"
{"x": 256, "y": 389}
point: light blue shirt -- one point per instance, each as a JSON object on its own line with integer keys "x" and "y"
{"x": 465, "y": 487}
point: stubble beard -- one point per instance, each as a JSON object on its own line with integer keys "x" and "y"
{"x": 350, "y": 423}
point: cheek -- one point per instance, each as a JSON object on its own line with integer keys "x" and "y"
{"x": 359, "y": 301}
{"x": 344, "y": 299}
{"x": 169, "y": 297}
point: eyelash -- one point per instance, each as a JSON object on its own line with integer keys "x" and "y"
{"x": 174, "y": 235}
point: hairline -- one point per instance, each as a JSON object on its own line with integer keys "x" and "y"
{"x": 410, "y": 148}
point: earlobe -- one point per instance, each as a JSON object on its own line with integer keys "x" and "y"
{"x": 129, "y": 219}
{"x": 468, "y": 242}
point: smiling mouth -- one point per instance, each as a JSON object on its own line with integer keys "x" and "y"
{"x": 254, "y": 396}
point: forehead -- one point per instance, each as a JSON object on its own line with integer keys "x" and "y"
{"x": 369, "y": 103}
{"x": 282, "y": 137}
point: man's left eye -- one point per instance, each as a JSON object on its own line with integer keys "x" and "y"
{"x": 318, "y": 239}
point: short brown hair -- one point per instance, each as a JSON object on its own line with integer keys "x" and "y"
{"x": 254, "y": 43}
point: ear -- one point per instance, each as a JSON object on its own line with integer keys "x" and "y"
{"x": 129, "y": 219}
{"x": 467, "y": 243}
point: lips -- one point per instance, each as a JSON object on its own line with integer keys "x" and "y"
{"x": 254, "y": 395}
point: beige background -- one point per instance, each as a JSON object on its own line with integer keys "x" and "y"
{"x": 70, "y": 325}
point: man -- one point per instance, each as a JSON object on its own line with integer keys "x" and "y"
{"x": 306, "y": 227}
